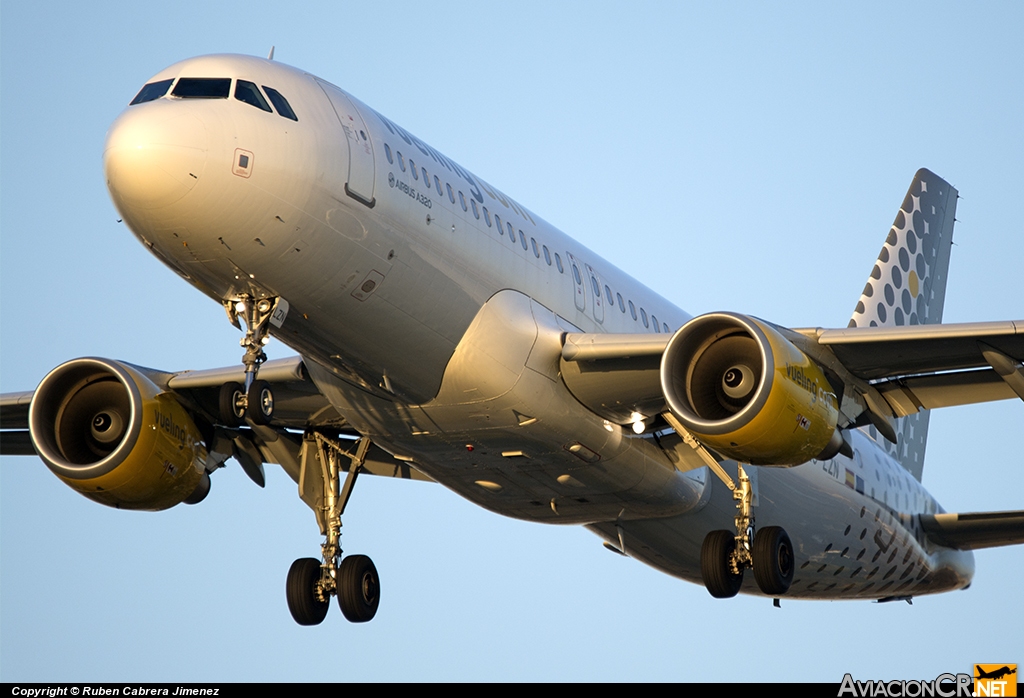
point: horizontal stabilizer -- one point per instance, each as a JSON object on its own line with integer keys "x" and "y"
{"x": 974, "y": 531}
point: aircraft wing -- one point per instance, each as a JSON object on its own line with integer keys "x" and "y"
{"x": 974, "y": 531}
{"x": 922, "y": 367}
{"x": 298, "y": 405}
{"x": 882, "y": 372}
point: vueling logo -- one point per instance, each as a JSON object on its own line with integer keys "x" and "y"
{"x": 796, "y": 374}
{"x": 174, "y": 430}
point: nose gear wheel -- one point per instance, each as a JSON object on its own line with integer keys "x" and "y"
{"x": 254, "y": 399}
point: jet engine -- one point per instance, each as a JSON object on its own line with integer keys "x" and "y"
{"x": 748, "y": 393}
{"x": 111, "y": 434}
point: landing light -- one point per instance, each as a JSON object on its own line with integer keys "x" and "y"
{"x": 638, "y": 423}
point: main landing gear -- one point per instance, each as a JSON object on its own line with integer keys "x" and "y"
{"x": 726, "y": 554}
{"x": 355, "y": 582}
{"x": 253, "y": 400}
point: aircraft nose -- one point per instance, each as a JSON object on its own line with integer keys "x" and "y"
{"x": 154, "y": 155}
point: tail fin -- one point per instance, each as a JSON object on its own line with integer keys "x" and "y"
{"x": 907, "y": 286}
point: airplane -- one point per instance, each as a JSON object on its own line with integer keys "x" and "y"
{"x": 995, "y": 673}
{"x": 445, "y": 332}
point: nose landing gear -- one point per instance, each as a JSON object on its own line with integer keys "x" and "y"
{"x": 255, "y": 399}
{"x": 725, "y": 555}
{"x": 311, "y": 583}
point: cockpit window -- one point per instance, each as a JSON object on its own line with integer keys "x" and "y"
{"x": 208, "y": 88}
{"x": 247, "y": 92}
{"x": 151, "y": 91}
{"x": 280, "y": 103}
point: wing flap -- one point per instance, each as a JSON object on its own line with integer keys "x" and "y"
{"x": 884, "y": 352}
{"x": 908, "y": 396}
{"x": 14, "y": 410}
{"x": 16, "y": 443}
{"x": 974, "y": 531}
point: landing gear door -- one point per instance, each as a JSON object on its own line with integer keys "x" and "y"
{"x": 360, "y": 150}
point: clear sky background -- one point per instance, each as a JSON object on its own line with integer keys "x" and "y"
{"x": 746, "y": 158}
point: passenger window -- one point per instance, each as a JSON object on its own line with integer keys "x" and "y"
{"x": 487, "y": 217}
{"x": 280, "y": 103}
{"x": 558, "y": 263}
{"x": 202, "y": 88}
{"x": 387, "y": 151}
{"x": 247, "y": 92}
{"x": 657, "y": 328}
{"x": 643, "y": 316}
{"x": 622, "y": 306}
{"x": 476, "y": 211}
{"x": 597, "y": 289}
{"x": 415, "y": 172}
{"x": 437, "y": 185}
{"x": 154, "y": 90}
{"x": 451, "y": 195}
{"x": 401, "y": 160}
{"x": 547, "y": 255}
{"x": 522, "y": 238}
{"x": 462, "y": 200}
{"x": 536, "y": 252}
{"x": 632, "y": 310}
{"x": 497, "y": 221}
{"x": 608, "y": 294}
{"x": 665, "y": 326}
{"x": 576, "y": 275}
{"x": 426, "y": 177}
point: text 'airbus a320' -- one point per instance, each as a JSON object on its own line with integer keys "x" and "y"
{"x": 445, "y": 332}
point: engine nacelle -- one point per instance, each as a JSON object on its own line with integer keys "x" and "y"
{"x": 744, "y": 390}
{"x": 108, "y": 432}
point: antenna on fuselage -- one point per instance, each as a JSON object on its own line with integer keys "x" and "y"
{"x": 270, "y": 56}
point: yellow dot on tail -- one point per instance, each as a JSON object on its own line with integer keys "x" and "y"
{"x": 912, "y": 279}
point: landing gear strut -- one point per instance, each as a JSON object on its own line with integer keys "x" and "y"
{"x": 254, "y": 399}
{"x": 725, "y": 555}
{"x": 355, "y": 582}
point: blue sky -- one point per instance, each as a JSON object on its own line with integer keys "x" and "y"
{"x": 745, "y": 158}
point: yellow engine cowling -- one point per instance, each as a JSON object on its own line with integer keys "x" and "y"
{"x": 745, "y": 391}
{"x": 111, "y": 434}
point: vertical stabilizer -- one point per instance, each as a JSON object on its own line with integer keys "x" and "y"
{"x": 907, "y": 286}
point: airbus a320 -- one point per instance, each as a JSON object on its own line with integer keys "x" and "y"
{"x": 445, "y": 332}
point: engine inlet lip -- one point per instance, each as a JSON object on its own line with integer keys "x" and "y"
{"x": 48, "y": 400}
{"x": 698, "y": 331}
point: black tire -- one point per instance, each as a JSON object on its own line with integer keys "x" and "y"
{"x": 773, "y": 560}
{"x": 261, "y": 403}
{"x": 232, "y": 414}
{"x": 303, "y": 577}
{"x": 358, "y": 588}
{"x": 715, "y": 554}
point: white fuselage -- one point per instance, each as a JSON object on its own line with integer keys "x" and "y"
{"x": 432, "y": 320}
